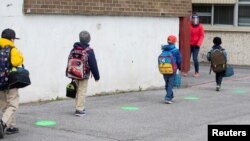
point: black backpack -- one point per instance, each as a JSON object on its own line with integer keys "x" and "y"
{"x": 5, "y": 67}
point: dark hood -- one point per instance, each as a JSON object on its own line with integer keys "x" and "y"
{"x": 79, "y": 44}
{"x": 217, "y": 47}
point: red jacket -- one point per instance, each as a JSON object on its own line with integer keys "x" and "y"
{"x": 196, "y": 35}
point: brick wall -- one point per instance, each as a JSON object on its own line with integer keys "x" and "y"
{"x": 152, "y": 8}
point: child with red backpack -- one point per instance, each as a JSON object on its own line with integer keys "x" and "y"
{"x": 169, "y": 61}
{"x": 218, "y": 58}
{"x": 81, "y": 63}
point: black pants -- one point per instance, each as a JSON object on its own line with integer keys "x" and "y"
{"x": 219, "y": 77}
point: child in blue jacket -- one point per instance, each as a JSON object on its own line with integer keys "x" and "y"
{"x": 169, "y": 78}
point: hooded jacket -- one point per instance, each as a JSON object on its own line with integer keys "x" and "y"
{"x": 16, "y": 58}
{"x": 214, "y": 48}
{"x": 91, "y": 59}
{"x": 196, "y": 35}
{"x": 175, "y": 52}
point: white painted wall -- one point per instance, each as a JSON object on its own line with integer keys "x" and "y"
{"x": 126, "y": 49}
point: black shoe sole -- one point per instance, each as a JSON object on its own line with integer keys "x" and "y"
{"x": 9, "y": 133}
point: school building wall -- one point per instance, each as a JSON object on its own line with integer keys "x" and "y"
{"x": 152, "y": 8}
{"x": 236, "y": 44}
{"x": 126, "y": 43}
{"x": 233, "y": 27}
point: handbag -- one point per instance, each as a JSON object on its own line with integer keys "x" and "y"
{"x": 18, "y": 77}
{"x": 229, "y": 71}
{"x": 177, "y": 80}
{"x": 71, "y": 89}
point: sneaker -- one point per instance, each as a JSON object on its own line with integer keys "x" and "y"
{"x": 168, "y": 102}
{"x": 2, "y": 128}
{"x": 12, "y": 130}
{"x": 218, "y": 88}
{"x": 196, "y": 74}
{"x": 80, "y": 113}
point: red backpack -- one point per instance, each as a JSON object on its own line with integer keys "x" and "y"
{"x": 78, "y": 66}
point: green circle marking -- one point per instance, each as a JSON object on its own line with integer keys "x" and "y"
{"x": 130, "y": 108}
{"x": 191, "y": 98}
{"x": 239, "y": 91}
{"x": 45, "y": 123}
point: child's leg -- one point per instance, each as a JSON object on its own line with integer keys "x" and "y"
{"x": 81, "y": 94}
{"x": 219, "y": 77}
{"x": 169, "y": 84}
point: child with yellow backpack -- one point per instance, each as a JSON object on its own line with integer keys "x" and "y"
{"x": 169, "y": 61}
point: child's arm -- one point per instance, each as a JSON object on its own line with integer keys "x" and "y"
{"x": 209, "y": 55}
{"x": 225, "y": 54}
{"x": 93, "y": 65}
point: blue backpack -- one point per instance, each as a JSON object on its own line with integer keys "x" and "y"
{"x": 5, "y": 67}
{"x": 166, "y": 63}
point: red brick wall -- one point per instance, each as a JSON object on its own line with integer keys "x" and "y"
{"x": 154, "y": 8}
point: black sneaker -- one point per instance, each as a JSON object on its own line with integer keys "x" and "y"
{"x": 217, "y": 88}
{"x": 13, "y": 130}
{"x": 2, "y": 128}
{"x": 80, "y": 113}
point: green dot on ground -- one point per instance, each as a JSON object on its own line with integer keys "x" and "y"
{"x": 192, "y": 98}
{"x": 239, "y": 91}
{"x": 130, "y": 108}
{"x": 45, "y": 123}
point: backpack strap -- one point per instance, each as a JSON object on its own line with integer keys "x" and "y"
{"x": 10, "y": 55}
{"x": 87, "y": 49}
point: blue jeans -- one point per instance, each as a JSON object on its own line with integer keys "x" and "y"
{"x": 195, "y": 52}
{"x": 169, "y": 84}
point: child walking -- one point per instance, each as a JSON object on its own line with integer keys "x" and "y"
{"x": 81, "y": 64}
{"x": 169, "y": 61}
{"x": 218, "y": 57}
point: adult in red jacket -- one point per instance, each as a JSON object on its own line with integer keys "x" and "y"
{"x": 196, "y": 39}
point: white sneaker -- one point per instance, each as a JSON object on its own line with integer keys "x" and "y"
{"x": 168, "y": 102}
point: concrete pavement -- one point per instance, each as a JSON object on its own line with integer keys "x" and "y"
{"x": 196, "y": 105}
